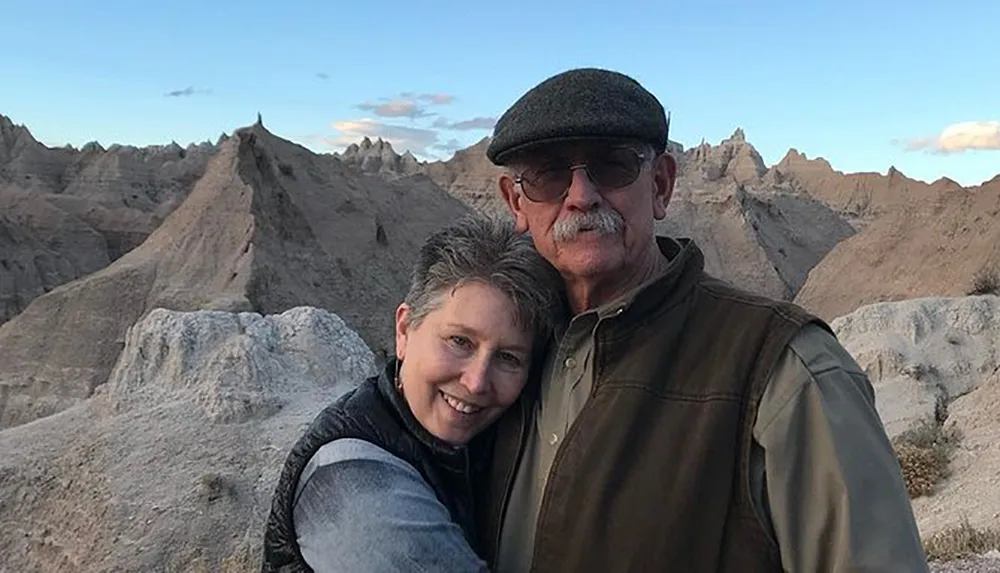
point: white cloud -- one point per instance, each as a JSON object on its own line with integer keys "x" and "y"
{"x": 418, "y": 140}
{"x": 959, "y": 137}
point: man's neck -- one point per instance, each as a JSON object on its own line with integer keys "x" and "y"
{"x": 586, "y": 293}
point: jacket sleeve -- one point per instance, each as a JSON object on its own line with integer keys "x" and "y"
{"x": 359, "y": 508}
{"x": 834, "y": 491}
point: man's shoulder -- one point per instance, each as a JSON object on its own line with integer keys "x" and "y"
{"x": 720, "y": 292}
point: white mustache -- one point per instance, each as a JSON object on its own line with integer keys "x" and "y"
{"x": 603, "y": 220}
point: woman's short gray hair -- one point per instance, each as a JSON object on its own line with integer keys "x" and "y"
{"x": 488, "y": 250}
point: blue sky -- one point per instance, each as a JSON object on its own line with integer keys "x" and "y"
{"x": 864, "y": 85}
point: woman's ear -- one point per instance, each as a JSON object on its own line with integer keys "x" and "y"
{"x": 402, "y": 329}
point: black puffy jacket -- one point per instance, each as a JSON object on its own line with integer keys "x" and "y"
{"x": 377, "y": 413}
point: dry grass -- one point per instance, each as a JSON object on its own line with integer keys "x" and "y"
{"x": 924, "y": 453}
{"x": 961, "y": 541}
{"x": 986, "y": 281}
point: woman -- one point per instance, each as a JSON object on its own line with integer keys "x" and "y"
{"x": 381, "y": 479}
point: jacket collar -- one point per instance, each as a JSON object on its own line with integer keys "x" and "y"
{"x": 686, "y": 264}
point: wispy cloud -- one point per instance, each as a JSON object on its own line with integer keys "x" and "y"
{"x": 466, "y": 125}
{"x": 323, "y": 75}
{"x": 186, "y": 92}
{"x": 407, "y": 104}
{"x": 958, "y": 138}
{"x": 418, "y": 140}
{"x": 423, "y": 134}
{"x": 395, "y": 108}
{"x": 437, "y": 99}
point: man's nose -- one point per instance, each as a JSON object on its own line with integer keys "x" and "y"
{"x": 582, "y": 193}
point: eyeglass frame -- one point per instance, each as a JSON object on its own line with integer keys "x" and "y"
{"x": 642, "y": 157}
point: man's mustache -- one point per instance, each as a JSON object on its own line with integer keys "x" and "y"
{"x": 604, "y": 220}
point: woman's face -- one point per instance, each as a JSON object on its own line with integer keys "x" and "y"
{"x": 465, "y": 363}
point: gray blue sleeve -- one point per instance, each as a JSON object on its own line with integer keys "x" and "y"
{"x": 359, "y": 508}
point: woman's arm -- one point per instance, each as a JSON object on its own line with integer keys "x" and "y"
{"x": 359, "y": 508}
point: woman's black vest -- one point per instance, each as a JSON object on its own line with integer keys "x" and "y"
{"x": 377, "y": 413}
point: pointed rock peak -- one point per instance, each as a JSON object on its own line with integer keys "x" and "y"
{"x": 12, "y": 132}
{"x": 738, "y": 135}
{"x": 366, "y": 143}
{"x": 260, "y": 120}
{"x": 946, "y": 183}
{"x": 92, "y": 147}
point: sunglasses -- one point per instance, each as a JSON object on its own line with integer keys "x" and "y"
{"x": 610, "y": 168}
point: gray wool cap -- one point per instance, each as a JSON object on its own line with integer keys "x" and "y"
{"x": 582, "y": 103}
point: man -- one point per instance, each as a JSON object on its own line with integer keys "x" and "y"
{"x": 681, "y": 424}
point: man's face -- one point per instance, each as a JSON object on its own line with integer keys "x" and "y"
{"x": 586, "y": 228}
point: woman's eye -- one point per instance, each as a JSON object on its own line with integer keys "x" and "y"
{"x": 510, "y": 359}
{"x": 461, "y": 341}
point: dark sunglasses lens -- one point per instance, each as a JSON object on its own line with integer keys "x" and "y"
{"x": 616, "y": 168}
{"x": 547, "y": 185}
{"x": 610, "y": 169}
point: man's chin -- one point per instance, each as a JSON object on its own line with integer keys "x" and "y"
{"x": 581, "y": 261}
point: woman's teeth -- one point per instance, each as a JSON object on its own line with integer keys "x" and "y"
{"x": 463, "y": 407}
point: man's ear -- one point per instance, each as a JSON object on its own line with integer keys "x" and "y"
{"x": 402, "y": 329}
{"x": 512, "y": 198}
{"x": 664, "y": 177}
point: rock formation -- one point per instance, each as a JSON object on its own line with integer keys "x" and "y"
{"x": 68, "y": 212}
{"x": 757, "y": 231}
{"x": 172, "y": 464}
{"x": 923, "y": 353}
{"x": 268, "y": 227}
{"x": 937, "y": 361}
{"x": 379, "y": 158}
{"x": 935, "y": 247}
{"x": 864, "y": 196}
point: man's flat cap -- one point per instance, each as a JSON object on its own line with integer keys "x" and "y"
{"x": 580, "y": 104}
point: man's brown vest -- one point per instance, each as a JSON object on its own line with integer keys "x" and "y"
{"x": 653, "y": 475}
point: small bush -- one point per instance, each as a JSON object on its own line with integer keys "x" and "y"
{"x": 924, "y": 453}
{"x": 286, "y": 170}
{"x": 986, "y": 281}
{"x": 961, "y": 541}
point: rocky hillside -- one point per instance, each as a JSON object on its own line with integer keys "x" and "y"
{"x": 67, "y": 212}
{"x": 269, "y": 226}
{"x": 939, "y": 246}
{"x": 863, "y": 196}
{"x": 171, "y": 465}
{"x": 379, "y": 158}
{"x": 935, "y": 362}
{"x": 757, "y": 230}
